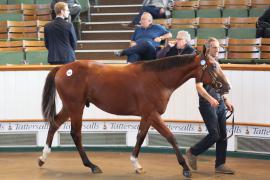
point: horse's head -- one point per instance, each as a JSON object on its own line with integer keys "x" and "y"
{"x": 211, "y": 73}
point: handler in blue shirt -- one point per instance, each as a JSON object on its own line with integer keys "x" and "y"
{"x": 145, "y": 41}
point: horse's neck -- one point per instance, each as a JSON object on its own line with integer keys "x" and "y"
{"x": 177, "y": 76}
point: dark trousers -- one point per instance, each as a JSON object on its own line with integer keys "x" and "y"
{"x": 141, "y": 51}
{"x": 154, "y": 11}
{"x": 215, "y": 121}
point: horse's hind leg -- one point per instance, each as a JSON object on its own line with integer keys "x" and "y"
{"x": 76, "y": 125}
{"x": 160, "y": 126}
{"x": 60, "y": 118}
{"x": 143, "y": 129}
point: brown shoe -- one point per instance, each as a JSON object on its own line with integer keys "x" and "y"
{"x": 222, "y": 169}
{"x": 192, "y": 160}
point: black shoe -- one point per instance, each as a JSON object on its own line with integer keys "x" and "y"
{"x": 118, "y": 53}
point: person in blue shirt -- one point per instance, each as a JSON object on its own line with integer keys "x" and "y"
{"x": 145, "y": 41}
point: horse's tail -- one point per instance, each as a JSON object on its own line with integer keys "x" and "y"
{"x": 48, "y": 96}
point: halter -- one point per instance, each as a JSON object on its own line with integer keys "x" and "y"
{"x": 215, "y": 82}
{"x": 227, "y": 117}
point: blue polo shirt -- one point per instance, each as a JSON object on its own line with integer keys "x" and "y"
{"x": 149, "y": 34}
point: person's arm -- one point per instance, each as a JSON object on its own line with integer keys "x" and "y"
{"x": 199, "y": 86}
{"x": 133, "y": 38}
{"x": 46, "y": 41}
{"x": 166, "y": 36}
{"x": 163, "y": 33}
{"x": 72, "y": 37}
{"x": 228, "y": 103}
{"x": 163, "y": 52}
{"x": 163, "y": 37}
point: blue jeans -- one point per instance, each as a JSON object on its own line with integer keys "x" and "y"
{"x": 215, "y": 121}
{"x": 154, "y": 11}
{"x": 141, "y": 51}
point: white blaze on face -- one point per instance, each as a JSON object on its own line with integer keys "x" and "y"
{"x": 69, "y": 72}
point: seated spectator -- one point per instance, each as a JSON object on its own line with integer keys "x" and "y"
{"x": 74, "y": 8}
{"x": 181, "y": 46}
{"x": 145, "y": 41}
{"x": 157, "y": 8}
{"x": 263, "y": 25}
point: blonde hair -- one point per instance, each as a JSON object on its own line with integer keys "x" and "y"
{"x": 58, "y": 7}
{"x": 184, "y": 35}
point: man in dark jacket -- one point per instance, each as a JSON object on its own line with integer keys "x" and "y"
{"x": 60, "y": 38}
{"x": 179, "y": 48}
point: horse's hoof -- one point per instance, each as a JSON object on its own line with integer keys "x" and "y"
{"x": 40, "y": 163}
{"x": 187, "y": 173}
{"x": 96, "y": 170}
{"x": 139, "y": 171}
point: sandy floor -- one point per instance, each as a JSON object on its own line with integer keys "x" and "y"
{"x": 116, "y": 166}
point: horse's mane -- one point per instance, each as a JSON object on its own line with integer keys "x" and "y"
{"x": 168, "y": 62}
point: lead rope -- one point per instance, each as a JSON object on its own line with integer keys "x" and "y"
{"x": 227, "y": 117}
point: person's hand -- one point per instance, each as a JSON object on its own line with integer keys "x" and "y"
{"x": 171, "y": 43}
{"x": 214, "y": 103}
{"x": 162, "y": 11}
{"x": 132, "y": 43}
{"x": 228, "y": 105}
{"x": 158, "y": 39}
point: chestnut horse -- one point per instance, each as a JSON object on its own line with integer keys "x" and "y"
{"x": 140, "y": 89}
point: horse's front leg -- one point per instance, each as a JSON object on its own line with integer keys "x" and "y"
{"x": 160, "y": 126}
{"x": 143, "y": 129}
{"x": 60, "y": 118}
{"x": 76, "y": 125}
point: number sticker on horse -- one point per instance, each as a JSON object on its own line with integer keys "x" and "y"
{"x": 69, "y": 72}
